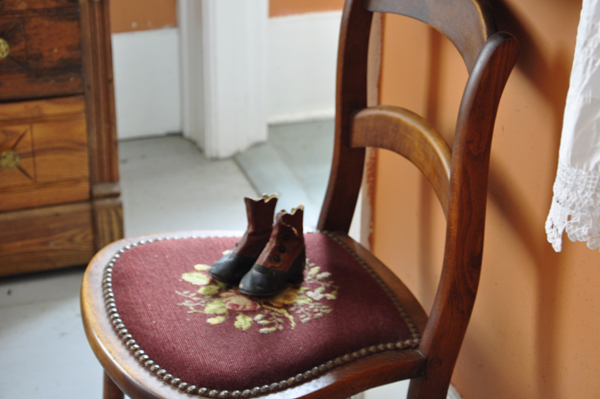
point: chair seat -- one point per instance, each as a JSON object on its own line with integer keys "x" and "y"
{"x": 204, "y": 337}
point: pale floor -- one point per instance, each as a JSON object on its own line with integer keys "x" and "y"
{"x": 166, "y": 184}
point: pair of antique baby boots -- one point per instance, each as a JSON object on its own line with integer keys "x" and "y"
{"x": 269, "y": 255}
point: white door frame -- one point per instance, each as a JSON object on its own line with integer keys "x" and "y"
{"x": 223, "y": 64}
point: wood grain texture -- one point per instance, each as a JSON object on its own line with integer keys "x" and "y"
{"x": 108, "y": 213}
{"x": 409, "y": 135}
{"x": 101, "y": 119}
{"x": 43, "y": 194}
{"x": 28, "y": 85}
{"x": 99, "y": 92}
{"x": 71, "y": 139}
{"x": 53, "y": 41}
{"x": 351, "y": 96}
{"x": 54, "y": 165}
{"x": 20, "y": 5}
{"x": 45, "y": 56}
{"x": 458, "y": 285}
{"x": 45, "y": 238}
{"x": 39, "y": 110}
{"x": 460, "y": 179}
{"x": 106, "y": 190}
{"x": 110, "y": 390}
{"x": 467, "y": 23}
{"x": 17, "y": 139}
{"x": 108, "y": 221}
{"x": 60, "y": 150}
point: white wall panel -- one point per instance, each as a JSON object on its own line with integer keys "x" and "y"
{"x": 302, "y": 56}
{"x": 147, "y": 82}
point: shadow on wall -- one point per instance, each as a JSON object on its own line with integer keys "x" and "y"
{"x": 550, "y": 77}
{"x": 504, "y": 198}
{"x": 522, "y": 336}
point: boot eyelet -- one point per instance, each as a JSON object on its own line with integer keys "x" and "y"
{"x": 276, "y": 258}
{"x": 282, "y": 248}
{"x": 286, "y": 237}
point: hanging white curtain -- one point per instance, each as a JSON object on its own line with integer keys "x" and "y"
{"x": 576, "y": 203}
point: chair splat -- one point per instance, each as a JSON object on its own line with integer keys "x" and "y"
{"x": 409, "y": 135}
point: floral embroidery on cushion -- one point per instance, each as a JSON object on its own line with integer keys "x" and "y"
{"x": 222, "y": 303}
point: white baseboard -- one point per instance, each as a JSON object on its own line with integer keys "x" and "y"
{"x": 398, "y": 390}
{"x": 453, "y": 393}
{"x": 293, "y": 117}
{"x": 147, "y": 82}
{"x": 301, "y": 67}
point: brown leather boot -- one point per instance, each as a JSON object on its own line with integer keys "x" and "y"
{"x": 283, "y": 259}
{"x": 232, "y": 267}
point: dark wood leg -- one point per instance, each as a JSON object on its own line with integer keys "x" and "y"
{"x": 111, "y": 390}
{"x": 107, "y": 213}
{"x": 108, "y": 221}
{"x": 421, "y": 389}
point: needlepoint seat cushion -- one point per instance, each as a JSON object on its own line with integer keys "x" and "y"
{"x": 205, "y": 338}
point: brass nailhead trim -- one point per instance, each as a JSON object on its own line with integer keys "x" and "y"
{"x": 407, "y": 320}
{"x": 140, "y": 354}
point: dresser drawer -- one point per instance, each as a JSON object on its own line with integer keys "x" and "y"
{"x": 40, "y": 50}
{"x": 43, "y": 153}
{"x": 20, "y": 5}
{"x": 45, "y": 238}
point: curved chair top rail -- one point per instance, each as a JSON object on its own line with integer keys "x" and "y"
{"x": 459, "y": 176}
{"x": 467, "y": 23}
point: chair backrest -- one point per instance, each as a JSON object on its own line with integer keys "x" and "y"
{"x": 458, "y": 176}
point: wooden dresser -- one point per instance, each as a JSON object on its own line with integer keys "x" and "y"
{"x": 59, "y": 177}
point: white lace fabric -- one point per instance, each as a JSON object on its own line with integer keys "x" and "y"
{"x": 576, "y": 203}
{"x": 575, "y": 207}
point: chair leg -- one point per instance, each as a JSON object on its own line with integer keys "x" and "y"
{"x": 421, "y": 389}
{"x": 111, "y": 390}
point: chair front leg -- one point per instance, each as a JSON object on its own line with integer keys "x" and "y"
{"x": 111, "y": 390}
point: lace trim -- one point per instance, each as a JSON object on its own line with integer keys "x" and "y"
{"x": 575, "y": 207}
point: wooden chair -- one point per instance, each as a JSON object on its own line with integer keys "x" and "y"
{"x": 162, "y": 329}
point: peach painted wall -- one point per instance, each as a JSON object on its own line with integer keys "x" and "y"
{"x": 137, "y": 15}
{"x": 278, "y": 8}
{"x": 534, "y": 330}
